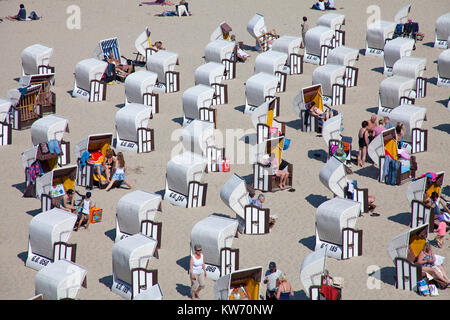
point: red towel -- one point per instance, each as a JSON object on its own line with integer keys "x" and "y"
{"x": 329, "y": 292}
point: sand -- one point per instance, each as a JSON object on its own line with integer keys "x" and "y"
{"x": 293, "y": 236}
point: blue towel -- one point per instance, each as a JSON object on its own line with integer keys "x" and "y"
{"x": 53, "y": 147}
{"x": 84, "y": 158}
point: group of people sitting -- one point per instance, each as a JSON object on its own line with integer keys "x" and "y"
{"x": 82, "y": 208}
{"x": 323, "y": 5}
{"x": 22, "y": 15}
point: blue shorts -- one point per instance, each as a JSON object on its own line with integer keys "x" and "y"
{"x": 119, "y": 176}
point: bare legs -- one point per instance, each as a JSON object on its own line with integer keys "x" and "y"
{"x": 362, "y": 156}
{"x": 111, "y": 183}
{"x": 284, "y": 175}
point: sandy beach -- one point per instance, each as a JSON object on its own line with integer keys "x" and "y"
{"x": 368, "y": 277}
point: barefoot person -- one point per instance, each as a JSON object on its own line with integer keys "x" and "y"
{"x": 20, "y": 16}
{"x": 86, "y": 207}
{"x": 119, "y": 173}
{"x": 363, "y": 141}
{"x": 197, "y": 272}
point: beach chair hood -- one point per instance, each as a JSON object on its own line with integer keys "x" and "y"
{"x": 401, "y": 16}
{"x": 218, "y": 50}
{"x": 83, "y": 145}
{"x": 213, "y": 233}
{"x": 197, "y": 136}
{"x": 331, "y": 129}
{"x": 343, "y": 55}
{"x": 59, "y": 280}
{"x": 138, "y": 83}
{"x": 378, "y": 32}
{"x": 194, "y": 98}
{"x": 88, "y": 70}
{"x": 184, "y": 168}
{"x": 396, "y": 49}
{"x": 287, "y": 44}
{"x": 410, "y": 67}
{"x": 331, "y": 20}
{"x": 135, "y": 207}
{"x": 316, "y": 37}
{"x": 443, "y": 27}
{"x": 130, "y": 253}
{"x": 259, "y": 86}
{"x": 142, "y": 43}
{"x": 333, "y": 176}
{"x": 398, "y": 247}
{"x": 256, "y": 26}
{"x": 444, "y": 64}
{"x": 333, "y": 216}
{"x": 393, "y": 88}
{"x": 161, "y": 62}
{"x": 270, "y": 62}
{"x": 327, "y": 75}
{"x": 35, "y": 56}
{"x": 375, "y": 150}
{"x": 312, "y": 269}
{"x": 209, "y": 73}
{"x": 235, "y": 195}
{"x": 51, "y": 127}
{"x": 130, "y": 118}
{"x": 50, "y": 227}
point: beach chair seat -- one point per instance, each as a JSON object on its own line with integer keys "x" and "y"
{"x": 258, "y": 30}
{"x": 443, "y": 68}
{"x": 332, "y": 79}
{"x": 163, "y": 64}
{"x": 132, "y": 273}
{"x": 290, "y": 45}
{"x": 258, "y": 89}
{"x": 318, "y": 43}
{"x": 377, "y": 34}
{"x": 139, "y": 88}
{"x": 274, "y": 63}
{"x": 88, "y": 83}
{"x": 211, "y": 74}
{"x": 24, "y": 108}
{"x": 36, "y": 60}
{"x": 223, "y": 51}
{"x": 215, "y": 235}
{"x": 394, "y": 50}
{"x": 47, "y": 98}
{"x": 442, "y": 27}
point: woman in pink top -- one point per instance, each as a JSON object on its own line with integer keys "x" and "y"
{"x": 441, "y": 230}
{"x": 379, "y": 129}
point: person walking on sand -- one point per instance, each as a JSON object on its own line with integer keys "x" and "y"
{"x": 285, "y": 291}
{"x": 363, "y": 142}
{"x": 197, "y": 272}
{"x": 271, "y": 280}
{"x": 119, "y": 174}
{"x": 85, "y": 212}
{"x": 305, "y": 28}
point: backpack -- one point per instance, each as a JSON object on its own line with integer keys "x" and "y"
{"x": 34, "y": 16}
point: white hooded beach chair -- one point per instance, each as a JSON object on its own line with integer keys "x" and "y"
{"x": 183, "y": 180}
{"x": 215, "y": 235}
{"x": 139, "y": 87}
{"x": 36, "y": 60}
{"x": 333, "y": 175}
{"x": 251, "y": 219}
{"x": 239, "y": 285}
{"x": 88, "y": 84}
{"x": 265, "y": 123}
{"x": 86, "y": 176}
{"x": 273, "y": 62}
{"x": 211, "y": 74}
{"x": 143, "y": 46}
{"x": 60, "y": 280}
{"x": 163, "y": 64}
{"x": 136, "y": 213}
{"x": 258, "y": 30}
{"x": 49, "y": 232}
{"x": 415, "y": 191}
{"x": 396, "y": 90}
{"x": 130, "y": 263}
{"x": 335, "y": 228}
{"x": 404, "y": 250}
{"x": 318, "y": 42}
{"x": 5, "y": 126}
{"x": 198, "y": 104}
{"x": 386, "y": 144}
{"x": 377, "y": 34}
{"x": 331, "y": 77}
{"x": 65, "y": 176}
{"x": 413, "y": 67}
{"x": 132, "y": 132}
{"x": 258, "y": 89}
{"x": 442, "y": 31}
{"x": 311, "y": 272}
{"x": 223, "y": 51}
{"x": 334, "y": 21}
{"x": 347, "y": 57}
{"x": 394, "y": 50}
{"x": 46, "y": 98}
{"x": 443, "y": 69}
{"x": 24, "y": 108}
{"x": 52, "y": 127}
{"x": 290, "y": 45}
{"x": 415, "y": 139}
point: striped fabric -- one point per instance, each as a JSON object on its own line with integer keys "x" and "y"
{"x": 110, "y": 45}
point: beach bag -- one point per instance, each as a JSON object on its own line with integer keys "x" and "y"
{"x": 224, "y": 165}
{"x": 96, "y": 215}
{"x": 422, "y": 288}
{"x": 433, "y": 290}
{"x": 33, "y": 16}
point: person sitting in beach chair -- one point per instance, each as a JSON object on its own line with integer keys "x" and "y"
{"x": 241, "y": 55}
{"x": 20, "y": 16}
{"x": 121, "y": 70}
{"x": 278, "y": 170}
{"x": 158, "y": 46}
{"x": 316, "y": 112}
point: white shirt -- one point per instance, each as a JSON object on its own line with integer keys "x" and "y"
{"x": 272, "y": 279}
{"x": 86, "y": 206}
{"x": 321, "y": 5}
{"x": 197, "y": 266}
